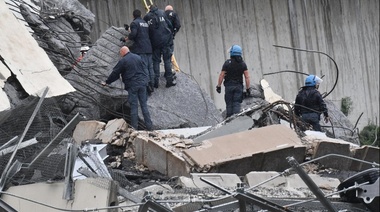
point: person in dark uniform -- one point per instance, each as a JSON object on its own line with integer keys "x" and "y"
{"x": 174, "y": 22}
{"x": 131, "y": 69}
{"x": 139, "y": 34}
{"x": 232, "y": 73}
{"x": 161, "y": 39}
{"x": 309, "y": 104}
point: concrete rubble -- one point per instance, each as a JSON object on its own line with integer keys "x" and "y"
{"x": 193, "y": 161}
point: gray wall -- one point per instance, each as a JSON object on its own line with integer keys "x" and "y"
{"x": 347, "y": 30}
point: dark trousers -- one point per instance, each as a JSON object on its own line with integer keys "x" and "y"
{"x": 166, "y": 56}
{"x": 148, "y": 66}
{"x": 313, "y": 119}
{"x": 138, "y": 95}
{"x": 233, "y": 97}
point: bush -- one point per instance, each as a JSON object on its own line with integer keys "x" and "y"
{"x": 346, "y": 105}
{"x": 368, "y": 134}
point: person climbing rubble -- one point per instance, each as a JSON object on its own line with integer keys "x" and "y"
{"x": 131, "y": 69}
{"x": 139, "y": 34}
{"x": 232, "y": 74}
{"x": 309, "y": 103}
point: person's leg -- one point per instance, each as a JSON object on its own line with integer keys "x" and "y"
{"x": 228, "y": 98}
{"x": 166, "y": 56}
{"x": 156, "y": 57}
{"x": 133, "y": 102}
{"x": 313, "y": 119}
{"x": 237, "y": 98}
{"x": 144, "y": 108}
{"x": 145, "y": 59}
{"x": 150, "y": 70}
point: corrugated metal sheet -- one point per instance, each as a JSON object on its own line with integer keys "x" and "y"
{"x": 347, "y": 30}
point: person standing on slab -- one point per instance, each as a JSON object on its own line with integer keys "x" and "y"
{"x": 232, "y": 74}
{"x": 131, "y": 69}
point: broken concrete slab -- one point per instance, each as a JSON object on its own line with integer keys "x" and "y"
{"x": 292, "y": 183}
{"x": 35, "y": 71}
{"x": 90, "y": 193}
{"x": 367, "y": 153}
{"x": 269, "y": 94}
{"x": 223, "y": 180}
{"x": 86, "y": 130}
{"x": 156, "y": 156}
{"x": 321, "y": 146}
{"x": 113, "y": 126}
{"x": 238, "y": 124}
{"x": 226, "y": 149}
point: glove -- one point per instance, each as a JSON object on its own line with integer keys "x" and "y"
{"x": 248, "y": 92}
{"x": 327, "y": 119}
{"x": 126, "y": 27}
{"x": 218, "y": 89}
{"x": 122, "y": 39}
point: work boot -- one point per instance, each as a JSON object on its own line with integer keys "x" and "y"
{"x": 170, "y": 84}
{"x": 155, "y": 84}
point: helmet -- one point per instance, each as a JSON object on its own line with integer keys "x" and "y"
{"x": 235, "y": 50}
{"x": 312, "y": 80}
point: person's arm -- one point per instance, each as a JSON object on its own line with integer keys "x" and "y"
{"x": 247, "y": 80}
{"x": 220, "y": 80}
{"x": 115, "y": 74}
{"x": 177, "y": 23}
{"x": 133, "y": 28}
{"x": 221, "y": 77}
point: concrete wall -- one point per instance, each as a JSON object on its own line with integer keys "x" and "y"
{"x": 348, "y": 31}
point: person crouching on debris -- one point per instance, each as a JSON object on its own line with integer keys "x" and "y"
{"x": 131, "y": 69}
{"x": 232, "y": 73}
{"x": 309, "y": 103}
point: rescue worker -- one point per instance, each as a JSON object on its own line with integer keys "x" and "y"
{"x": 309, "y": 104}
{"x": 232, "y": 73}
{"x": 139, "y": 34}
{"x": 174, "y": 22}
{"x": 131, "y": 69}
{"x": 161, "y": 39}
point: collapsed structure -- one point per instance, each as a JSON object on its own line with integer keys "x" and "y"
{"x": 249, "y": 161}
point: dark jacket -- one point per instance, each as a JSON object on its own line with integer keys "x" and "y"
{"x": 174, "y": 22}
{"x": 159, "y": 32}
{"x": 234, "y": 69}
{"x": 140, "y": 35}
{"x": 309, "y": 97}
{"x": 131, "y": 70}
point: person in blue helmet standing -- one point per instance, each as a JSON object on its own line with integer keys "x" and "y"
{"x": 232, "y": 74}
{"x": 309, "y": 104}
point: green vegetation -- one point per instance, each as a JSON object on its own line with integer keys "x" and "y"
{"x": 346, "y": 105}
{"x": 368, "y": 135}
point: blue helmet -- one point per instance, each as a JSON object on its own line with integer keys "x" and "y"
{"x": 235, "y": 50}
{"x": 312, "y": 80}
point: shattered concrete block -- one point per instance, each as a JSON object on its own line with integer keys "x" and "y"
{"x": 86, "y": 130}
{"x": 323, "y": 148}
{"x": 366, "y": 153}
{"x": 269, "y": 94}
{"x": 276, "y": 160}
{"x": 243, "y": 152}
{"x": 157, "y": 157}
{"x": 109, "y": 132}
{"x": 293, "y": 181}
{"x": 228, "y": 181}
{"x": 89, "y": 193}
{"x": 238, "y": 124}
